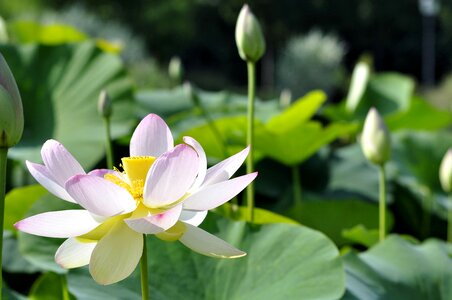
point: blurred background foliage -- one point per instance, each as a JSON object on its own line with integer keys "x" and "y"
{"x": 311, "y": 168}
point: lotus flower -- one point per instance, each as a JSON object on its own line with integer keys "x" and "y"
{"x": 163, "y": 190}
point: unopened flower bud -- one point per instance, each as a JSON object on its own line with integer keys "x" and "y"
{"x": 191, "y": 93}
{"x": 11, "y": 112}
{"x": 445, "y": 172}
{"x": 175, "y": 69}
{"x": 104, "y": 106}
{"x": 248, "y": 36}
{"x": 375, "y": 139}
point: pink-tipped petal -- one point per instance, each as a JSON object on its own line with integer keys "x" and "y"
{"x": 43, "y": 176}
{"x": 100, "y": 196}
{"x": 205, "y": 243}
{"x": 226, "y": 168}
{"x": 193, "y": 217}
{"x": 73, "y": 253}
{"x": 152, "y": 137}
{"x": 215, "y": 195}
{"x": 59, "y": 224}
{"x": 116, "y": 255}
{"x": 60, "y": 163}
{"x": 155, "y": 223}
{"x": 170, "y": 177}
{"x": 202, "y": 168}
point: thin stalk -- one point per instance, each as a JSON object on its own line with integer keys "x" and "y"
{"x": 382, "y": 203}
{"x": 64, "y": 288}
{"x": 144, "y": 271}
{"x": 449, "y": 221}
{"x": 427, "y": 203}
{"x": 250, "y": 136}
{"x": 3, "y": 159}
{"x": 296, "y": 185}
{"x": 108, "y": 143}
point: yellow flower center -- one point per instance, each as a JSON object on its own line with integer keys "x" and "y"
{"x": 136, "y": 169}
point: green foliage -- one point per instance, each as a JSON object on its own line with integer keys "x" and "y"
{"x": 19, "y": 201}
{"x": 399, "y": 269}
{"x": 332, "y": 217}
{"x": 283, "y": 261}
{"x": 261, "y": 216}
{"x": 59, "y": 87}
{"x": 361, "y": 235}
{"x": 49, "y": 286}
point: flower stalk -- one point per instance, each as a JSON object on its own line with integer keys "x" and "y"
{"x": 449, "y": 221}
{"x": 382, "y": 203}
{"x": 296, "y": 185}
{"x": 144, "y": 271}
{"x": 250, "y": 136}
{"x": 105, "y": 109}
{"x": 3, "y": 159}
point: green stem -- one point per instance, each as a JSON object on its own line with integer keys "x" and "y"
{"x": 108, "y": 143}
{"x": 382, "y": 203}
{"x": 449, "y": 221}
{"x": 3, "y": 160}
{"x": 144, "y": 271}
{"x": 296, "y": 185}
{"x": 64, "y": 288}
{"x": 250, "y": 136}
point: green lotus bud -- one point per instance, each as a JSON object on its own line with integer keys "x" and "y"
{"x": 445, "y": 172}
{"x": 191, "y": 93}
{"x": 11, "y": 112}
{"x": 375, "y": 139}
{"x": 175, "y": 69}
{"x": 104, "y": 106}
{"x": 248, "y": 36}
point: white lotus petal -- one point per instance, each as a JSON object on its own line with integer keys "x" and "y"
{"x": 215, "y": 195}
{"x": 74, "y": 254}
{"x": 226, "y": 168}
{"x": 155, "y": 223}
{"x": 59, "y": 162}
{"x": 202, "y": 168}
{"x": 170, "y": 177}
{"x": 116, "y": 255}
{"x": 205, "y": 243}
{"x": 193, "y": 217}
{"x": 43, "y": 176}
{"x": 152, "y": 137}
{"x": 59, "y": 224}
{"x": 100, "y": 196}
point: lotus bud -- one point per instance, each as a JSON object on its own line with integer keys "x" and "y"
{"x": 445, "y": 172}
{"x": 248, "y": 36}
{"x": 375, "y": 139}
{"x": 11, "y": 111}
{"x": 191, "y": 93}
{"x": 175, "y": 69}
{"x": 104, "y": 106}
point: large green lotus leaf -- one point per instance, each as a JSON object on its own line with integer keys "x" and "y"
{"x": 177, "y": 104}
{"x": 352, "y": 174}
{"x": 60, "y": 86}
{"x": 332, "y": 217}
{"x": 298, "y": 113}
{"x": 260, "y": 215}
{"x": 388, "y": 93}
{"x": 283, "y": 262}
{"x": 361, "y": 235}
{"x": 37, "y": 250}
{"x": 49, "y": 286}
{"x": 295, "y": 145}
{"x": 30, "y": 31}
{"x": 418, "y": 155}
{"x": 399, "y": 269}
{"x": 420, "y": 116}
{"x": 13, "y": 261}
{"x": 18, "y": 201}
